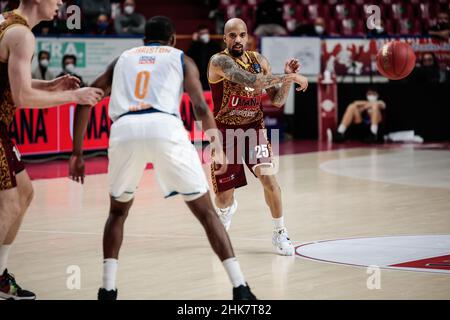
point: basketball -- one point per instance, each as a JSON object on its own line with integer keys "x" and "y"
{"x": 396, "y": 60}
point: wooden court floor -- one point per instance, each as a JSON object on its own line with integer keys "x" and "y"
{"x": 351, "y": 193}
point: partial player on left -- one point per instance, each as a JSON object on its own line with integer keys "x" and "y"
{"x": 17, "y": 89}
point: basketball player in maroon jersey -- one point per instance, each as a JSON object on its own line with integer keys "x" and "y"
{"x": 17, "y": 44}
{"x": 238, "y": 79}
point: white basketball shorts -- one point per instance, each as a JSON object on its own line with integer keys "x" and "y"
{"x": 156, "y": 138}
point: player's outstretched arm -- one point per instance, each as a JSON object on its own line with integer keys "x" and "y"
{"x": 279, "y": 93}
{"x": 193, "y": 87}
{"x": 81, "y": 119}
{"x": 66, "y": 82}
{"x": 225, "y": 67}
{"x": 20, "y": 43}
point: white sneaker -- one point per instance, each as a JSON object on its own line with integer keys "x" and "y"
{"x": 282, "y": 243}
{"x": 225, "y": 215}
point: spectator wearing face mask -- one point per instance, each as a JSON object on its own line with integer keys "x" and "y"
{"x": 69, "y": 63}
{"x": 130, "y": 22}
{"x": 91, "y": 10}
{"x": 366, "y": 115}
{"x": 441, "y": 29}
{"x": 42, "y": 72}
{"x": 317, "y": 29}
{"x": 103, "y": 26}
{"x": 201, "y": 50}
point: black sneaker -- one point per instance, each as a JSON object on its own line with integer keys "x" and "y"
{"x": 104, "y": 294}
{"x": 10, "y": 290}
{"x": 371, "y": 138}
{"x": 243, "y": 293}
{"x": 338, "y": 137}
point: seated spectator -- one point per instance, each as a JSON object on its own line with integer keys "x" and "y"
{"x": 366, "y": 114}
{"x": 91, "y": 9}
{"x": 69, "y": 63}
{"x": 201, "y": 50}
{"x": 130, "y": 22}
{"x": 428, "y": 71}
{"x": 42, "y": 72}
{"x": 269, "y": 19}
{"x": 317, "y": 29}
{"x": 441, "y": 29}
{"x": 104, "y": 26}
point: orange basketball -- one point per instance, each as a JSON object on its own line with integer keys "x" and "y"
{"x": 396, "y": 60}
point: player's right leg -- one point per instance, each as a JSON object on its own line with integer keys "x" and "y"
{"x": 127, "y": 162}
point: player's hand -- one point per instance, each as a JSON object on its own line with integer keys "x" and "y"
{"x": 302, "y": 81}
{"x": 63, "y": 83}
{"x": 291, "y": 66}
{"x": 77, "y": 168}
{"x": 88, "y": 96}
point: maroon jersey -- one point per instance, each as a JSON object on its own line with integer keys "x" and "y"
{"x": 10, "y": 163}
{"x": 235, "y": 104}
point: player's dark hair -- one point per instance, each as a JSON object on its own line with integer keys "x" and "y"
{"x": 159, "y": 28}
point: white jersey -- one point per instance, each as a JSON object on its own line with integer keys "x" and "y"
{"x": 147, "y": 78}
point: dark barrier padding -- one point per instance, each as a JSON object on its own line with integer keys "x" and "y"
{"x": 424, "y": 108}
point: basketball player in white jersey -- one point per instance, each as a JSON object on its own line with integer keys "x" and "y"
{"x": 146, "y": 85}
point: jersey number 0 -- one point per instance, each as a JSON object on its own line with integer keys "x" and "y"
{"x": 142, "y": 85}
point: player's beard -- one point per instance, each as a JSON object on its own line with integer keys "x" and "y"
{"x": 237, "y": 53}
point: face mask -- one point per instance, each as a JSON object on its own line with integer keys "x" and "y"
{"x": 204, "y": 38}
{"x": 102, "y": 26}
{"x": 319, "y": 29}
{"x": 70, "y": 68}
{"x": 128, "y": 10}
{"x": 44, "y": 63}
{"x": 372, "y": 98}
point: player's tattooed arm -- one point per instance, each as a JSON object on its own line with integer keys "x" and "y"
{"x": 279, "y": 93}
{"x": 225, "y": 67}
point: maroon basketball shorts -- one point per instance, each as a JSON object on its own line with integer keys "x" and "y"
{"x": 244, "y": 144}
{"x": 10, "y": 163}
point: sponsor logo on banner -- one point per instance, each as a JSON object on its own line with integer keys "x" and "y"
{"x": 47, "y": 131}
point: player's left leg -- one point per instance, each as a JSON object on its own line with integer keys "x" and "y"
{"x": 259, "y": 159}
{"x": 25, "y": 195}
{"x": 272, "y": 195}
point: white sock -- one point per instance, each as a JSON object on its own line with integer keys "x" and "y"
{"x": 4, "y": 253}
{"x": 234, "y": 272}
{"x": 341, "y": 129}
{"x": 225, "y": 210}
{"x": 374, "y": 128}
{"x": 278, "y": 223}
{"x": 109, "y": 274}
